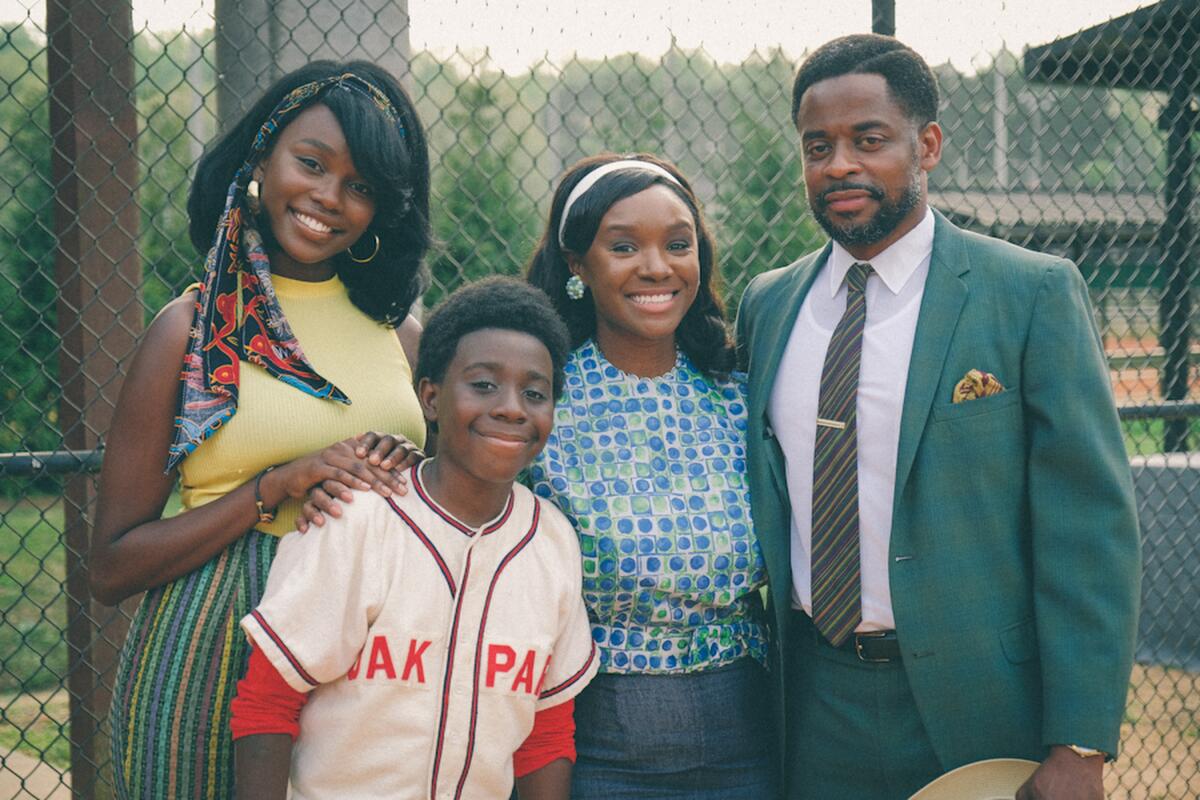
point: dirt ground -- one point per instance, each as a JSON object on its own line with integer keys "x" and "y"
{"x": 1160, "y": 740}
{"x": 25, "y": 778}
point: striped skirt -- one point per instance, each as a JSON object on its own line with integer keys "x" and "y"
{"x": 179, "y": 669}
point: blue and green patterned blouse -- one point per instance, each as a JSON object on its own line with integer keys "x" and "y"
{"x": 652, "y": 472}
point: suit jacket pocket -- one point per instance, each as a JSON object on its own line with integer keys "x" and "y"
{"x": 976, "y": 407}
{"x": 1019, "y": 641}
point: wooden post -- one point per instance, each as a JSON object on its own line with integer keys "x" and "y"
{"x": 94, "y": 164}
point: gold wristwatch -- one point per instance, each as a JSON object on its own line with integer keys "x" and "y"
{"x": 1086, "y": 752}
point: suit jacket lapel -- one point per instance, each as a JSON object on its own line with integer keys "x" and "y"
{"x": 787, "y": 307}
{"x": 941, "y": 305}
{"x": 776, "y": 315}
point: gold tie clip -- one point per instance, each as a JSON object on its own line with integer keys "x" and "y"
{"x": 831, "y": 423}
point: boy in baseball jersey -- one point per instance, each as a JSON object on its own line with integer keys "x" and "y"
{"x": 435, "y": 640}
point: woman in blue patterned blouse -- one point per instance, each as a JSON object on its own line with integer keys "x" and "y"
{"x": 647, "y": 458}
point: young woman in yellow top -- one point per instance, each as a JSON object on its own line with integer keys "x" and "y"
{"x": 314, "y": 212}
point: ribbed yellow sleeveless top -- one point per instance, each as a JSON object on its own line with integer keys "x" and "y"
{"x": 276, "y": 423}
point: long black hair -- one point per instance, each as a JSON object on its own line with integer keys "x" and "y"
{"x": 702, "y": 334}
{"x": 397, "y": 164}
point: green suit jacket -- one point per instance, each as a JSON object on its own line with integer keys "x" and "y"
{"x": 1014, "y": 560}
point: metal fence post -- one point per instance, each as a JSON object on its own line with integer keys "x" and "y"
{"x": 1179, "y": 120}
{"x": 259, "y": 40}
{"x": 376, "y": 30}
{"x": 883, "y": 17}
{"x": 94, "y": 130}
{"x": 245, "y": 66}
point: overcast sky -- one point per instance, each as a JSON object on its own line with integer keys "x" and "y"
{"x": 517, "y": 33}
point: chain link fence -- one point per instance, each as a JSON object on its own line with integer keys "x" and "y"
{"x": 1084, "y": 146}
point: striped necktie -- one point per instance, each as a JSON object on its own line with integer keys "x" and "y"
{"x": 836, "y": 585}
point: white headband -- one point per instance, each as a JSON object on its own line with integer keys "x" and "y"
{"x": 595, "y": 175}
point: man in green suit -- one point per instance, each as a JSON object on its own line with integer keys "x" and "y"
{"x": 938, "y": 480}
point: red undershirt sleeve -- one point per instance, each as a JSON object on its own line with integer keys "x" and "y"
{"x": 264, "y": 702}
{"x": 552, "y": 738}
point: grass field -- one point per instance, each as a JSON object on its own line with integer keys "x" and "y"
{"x": 1144, "y": 437}
{"x": 33, "y": 651}
{"x": 33, "y": 604}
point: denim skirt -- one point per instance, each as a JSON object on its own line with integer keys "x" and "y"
{"x": 697, "y": 736}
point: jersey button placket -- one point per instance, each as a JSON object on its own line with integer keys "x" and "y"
{"x": 457, "y": 644}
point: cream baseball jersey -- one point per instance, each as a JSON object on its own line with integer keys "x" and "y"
{"x": 430, "y": 644}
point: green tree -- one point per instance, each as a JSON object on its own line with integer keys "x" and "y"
{"x": 483, "y": 219}
{"x": 29, "y": 390}
{"x": 762, "y": 216}
{"x": 28, "y": 332}
{"x": 174, "y": 82}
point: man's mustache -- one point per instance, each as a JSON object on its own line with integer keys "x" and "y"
{"x": 873, "y": 191}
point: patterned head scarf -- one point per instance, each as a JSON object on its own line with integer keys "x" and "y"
{"x": 237, "y": 316}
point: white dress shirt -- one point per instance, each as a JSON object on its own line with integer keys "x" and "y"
{"x": 894, "y": 293}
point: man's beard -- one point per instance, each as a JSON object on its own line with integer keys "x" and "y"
{"x": 878, "y": 227}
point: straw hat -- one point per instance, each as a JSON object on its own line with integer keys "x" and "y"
{"x": 992, "y": 779}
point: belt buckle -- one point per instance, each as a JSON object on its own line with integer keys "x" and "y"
{"x": 858, "y": 646}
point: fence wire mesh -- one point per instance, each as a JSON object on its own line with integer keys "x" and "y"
{"x": 1085, "y": 147}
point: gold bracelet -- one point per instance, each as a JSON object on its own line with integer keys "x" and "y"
{"x": 263, "y": 514}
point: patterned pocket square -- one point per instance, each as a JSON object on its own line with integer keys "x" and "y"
{"x": 976, "y": 384}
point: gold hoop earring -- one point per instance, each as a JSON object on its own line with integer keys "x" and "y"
{"x": 369, "y": 258}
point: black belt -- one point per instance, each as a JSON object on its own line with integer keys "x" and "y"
{"x": 874, "y": 647}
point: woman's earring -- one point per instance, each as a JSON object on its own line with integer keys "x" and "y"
{"x": 253, "y": 201}
{"x": 575, "y": 287}
{"x": 368, "y": 259}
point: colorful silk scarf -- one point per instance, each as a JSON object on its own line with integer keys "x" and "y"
{"x": 237, "y": 316}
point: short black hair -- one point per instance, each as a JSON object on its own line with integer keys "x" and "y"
{"x": 499, "y": 302}
{"x": 702, "y": 334}
{"x": 908, "y": 77}
{"x": 397, "y": 165}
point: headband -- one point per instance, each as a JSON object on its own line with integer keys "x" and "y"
{"x": 593, "y": 177}
{"x": 300, "y": 98}
{"x": 237, "y": 317}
